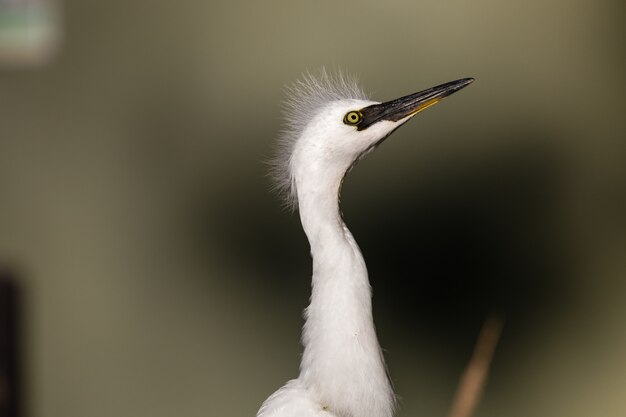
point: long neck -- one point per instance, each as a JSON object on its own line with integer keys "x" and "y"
{"x": 342, "y": 361}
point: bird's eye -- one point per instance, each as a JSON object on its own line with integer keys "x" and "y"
{"x": 353, "y": 118}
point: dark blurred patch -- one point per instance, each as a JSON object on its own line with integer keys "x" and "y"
{"x": 488, "y": 235}
{"x": 479, "y": 235}
{"x": 9, "y": 388}
{"x": 248, "y": 228}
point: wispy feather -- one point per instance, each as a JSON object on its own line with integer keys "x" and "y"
{"x": 305, "y": 98}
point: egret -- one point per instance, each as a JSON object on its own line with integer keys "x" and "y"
{"x": 330, "y": 126}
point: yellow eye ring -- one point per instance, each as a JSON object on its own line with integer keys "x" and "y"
{"x": 353, "y": 118}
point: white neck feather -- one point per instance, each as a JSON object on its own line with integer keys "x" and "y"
{"x": 342, "y": 364}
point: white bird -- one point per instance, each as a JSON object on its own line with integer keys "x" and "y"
{"x": 330, "y": 126}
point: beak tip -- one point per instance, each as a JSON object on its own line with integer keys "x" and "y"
{"x": 462, "y": 83}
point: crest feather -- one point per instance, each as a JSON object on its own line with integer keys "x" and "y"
{"x": 305, "y": 98}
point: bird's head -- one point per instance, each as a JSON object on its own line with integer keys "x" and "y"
{"x": 331, "y": 125}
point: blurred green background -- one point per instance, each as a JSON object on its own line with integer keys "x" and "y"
{"x": 159, "y": 277}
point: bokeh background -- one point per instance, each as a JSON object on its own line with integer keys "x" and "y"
{"x": 158, "y": 276}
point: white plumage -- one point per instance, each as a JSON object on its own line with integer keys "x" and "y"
{"x": 306, "y": 97}
{"x": 330, "y": 125}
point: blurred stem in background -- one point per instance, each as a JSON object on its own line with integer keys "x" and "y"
{"x": 473, "y": 380}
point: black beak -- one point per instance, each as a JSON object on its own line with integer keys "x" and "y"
{"x": 410, "y": 105}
